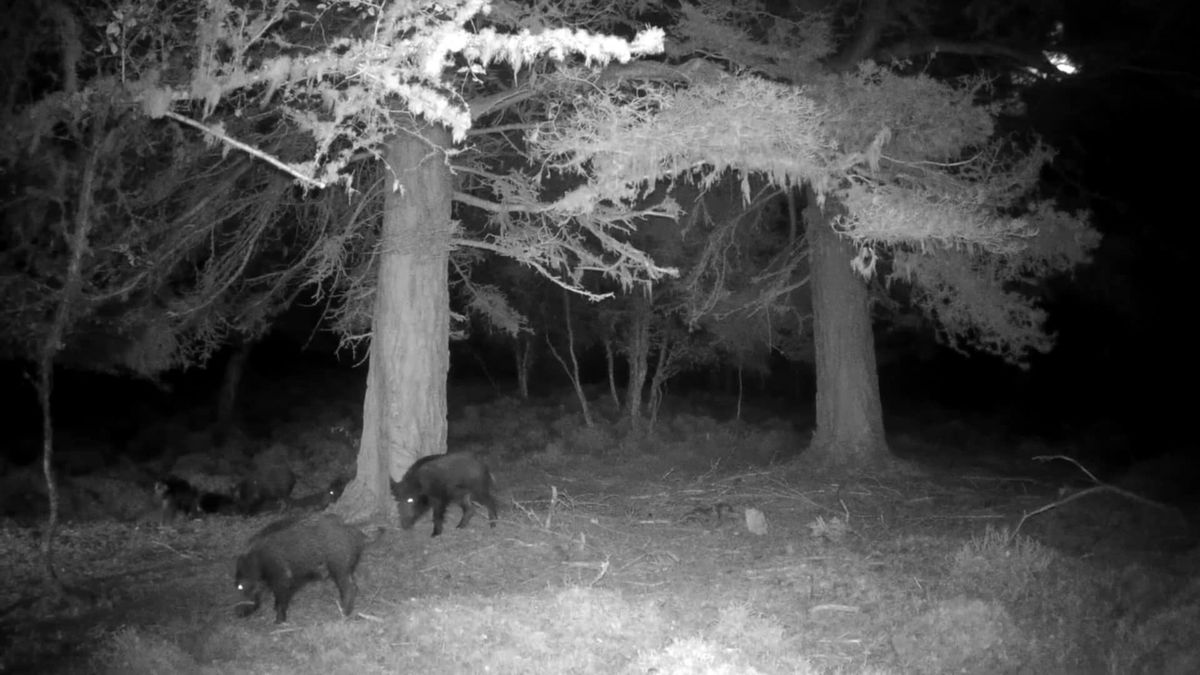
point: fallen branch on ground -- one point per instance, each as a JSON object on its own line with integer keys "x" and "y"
{"x": 1100, "y": 486}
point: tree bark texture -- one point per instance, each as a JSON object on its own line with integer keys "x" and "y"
{"x": 404, "y": 412}
{"x": 849, "y": 411}
{"x": 78, "y": 237}
{"x": 610, "y": 362}
{"x": 664, "y": 369}
{"x": 523, "y": 357}
{"x": 572, "y": 368}
{"x": 231, "y": 382}
{"x": 637, "y": 352}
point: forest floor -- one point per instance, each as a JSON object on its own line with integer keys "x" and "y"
{"x": 706, "y": 547}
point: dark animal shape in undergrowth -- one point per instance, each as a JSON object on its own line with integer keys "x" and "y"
{"x": 436, "y": 481}
{"x": 321, "y": 500}
{"x": 336, "y": 487}
{"x": 267, "y": 485}
{"x": 215, "y": 502}
{"x": 177, "y": 498}
{"x": 287, "y": 554}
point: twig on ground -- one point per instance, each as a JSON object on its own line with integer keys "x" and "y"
{"x": 602, "y": 566}
{"x": 527, "y": 511}
{"x": 603, "y": 571}
{"x": 553, "y": 502}
{"x": 834, "y": 608}
{"x": 655, "y": 556}
{"x": 174, "y": 550}
{"x": 712, "y": 469}
{"x": 740, "y": 476}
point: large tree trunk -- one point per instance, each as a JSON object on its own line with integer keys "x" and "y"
{"x": 849, "y": 412}
{"x": 404, "y": 413}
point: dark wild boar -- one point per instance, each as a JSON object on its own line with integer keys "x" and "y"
{"x": 267, "y": 486}
{"x": 322, "y": 499}
{"x": 434, "y": 482}
{"x": 177, "y": 498}
{"x": 216, "y": 502}
{"x": 287, "y": 554}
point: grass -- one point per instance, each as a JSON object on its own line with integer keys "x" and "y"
{"x": 615, "y": 556}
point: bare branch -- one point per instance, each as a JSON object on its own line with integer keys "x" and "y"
{"x": 907, "y": 49}
{"x": 225, "y": 138}
{"x": 503, "y": 100}
{"x": 484, "y": 131}
{"x": 540, "y": 269}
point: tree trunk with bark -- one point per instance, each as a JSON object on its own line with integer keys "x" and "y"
{"x": 404, "y": 412}
{"x": 610, "y": 362}
{"x": 849, "y": 424}
{"x": 738, "y": 413}
{"x": 231, "y": 381}
{"x": 523, "y": 358}
{"x": 664, "y": 370}
{"x": 78, "y": 232}
{"x": 849, "y": 410}
{"x": 637, "y": 352}
{"x": 572, "y": 369}
{"x": 608, "y": 338}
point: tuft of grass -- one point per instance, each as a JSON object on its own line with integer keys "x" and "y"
{"x": 833, "y": 530}
{"x": 751, "y": 631}
{"x": 1061, "y": 606}
{"x": 999, "y": 565}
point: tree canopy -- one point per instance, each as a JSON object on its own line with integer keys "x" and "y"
{"x": 916, "y": 162}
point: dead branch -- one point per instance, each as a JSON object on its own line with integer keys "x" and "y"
{"x": 248, "y": 149}
{"x": 1095, "y": 489}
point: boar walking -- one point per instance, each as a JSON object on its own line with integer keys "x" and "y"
{"x": 287, "y": 554}
{"x": 434, "y": 482}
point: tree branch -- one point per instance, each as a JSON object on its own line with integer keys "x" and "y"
{"x": 540, "y": 269}
{"x": 518, "y": 126}
{"x": 499, "y": 101}
{"x": 249, "y": 149}
{"x": 693, "y": 72}
{"x": 493, "y": 207}
{"x": 907, "y": 49}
